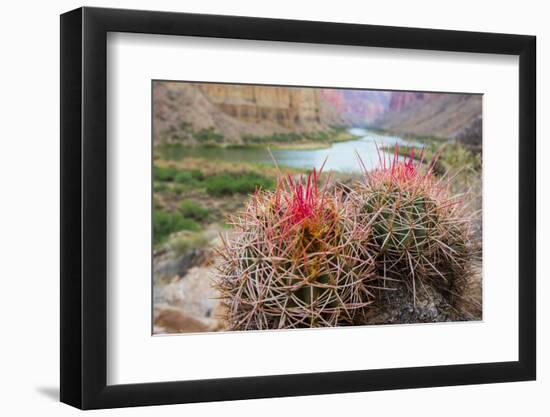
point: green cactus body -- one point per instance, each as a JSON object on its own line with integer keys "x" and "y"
{"x": 404, "y": 223}
{"x": 288, "y": 267}
{"x": 420, "y": 232}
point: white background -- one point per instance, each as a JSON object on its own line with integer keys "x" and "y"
{"x": 133, "y": 60}
{"x": 29, "y": 214}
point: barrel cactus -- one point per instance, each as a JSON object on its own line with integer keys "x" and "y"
{"x": 297, "y": 257}
{"x": 422, "y": 233}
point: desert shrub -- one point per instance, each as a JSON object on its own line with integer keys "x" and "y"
{"x": 193, "y": 178}
{"x": 166, "y": 223}
{"x": 183, "y": 177}
{"x": 208, "y": 136}
{"x": 181, "y": 188}
{"x": 456, "y": 156}
{"x": 156, "y": 203}
{"x": 320, "y": 136}
{"x": 185, "y": 241}
{"x": 193, "y": 210}
{"x": 273, "y": 138}
{"x": 340, "y": 129}
{"x": 228, "y": 183}
{"x": 449, "y": 156}
{"x": 219, "y": 185}
{"x": 159, "y": 186}
{"x": 164, "y": 173}
{"x": 248, "y": 183}
{"x": 197, "y": 174}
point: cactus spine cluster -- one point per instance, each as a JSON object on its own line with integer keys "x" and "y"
{"x": 305, "y": 256}
{"x": 421, "y": 232}
{"x": 298, "y": 257}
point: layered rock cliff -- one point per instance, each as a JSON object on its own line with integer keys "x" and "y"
{"x": 449, "y": 116}
{"x": 288, "y": 107}
{"x": 227, "y": 113}
{"x": 234, "y": 111}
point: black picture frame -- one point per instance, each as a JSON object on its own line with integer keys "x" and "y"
{"x": 84, "y": 207}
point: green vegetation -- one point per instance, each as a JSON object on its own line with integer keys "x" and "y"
{"x": 156, "y": 203}
{"x": 457, "y": 156}
{"x": 177, "y": 144}
{"x": 426, "y": 139}
{"x": 179, "y": 192}
{"x": 165, "y": 173}
{"x": 183, "y": 177}
{"x": 334, "y": 135}
{"x": 451, "y": 156}
{"x": 193, "y": 210}
{"x": 197, "y": 174}
{"x": 187, "y": 179}
{"x": 276, "y": 137}
{"x": 159, "y": 186}
{"x": 186, "y": 241}
{"x": 230, "y": 183}
{"x": 181, "y": 188}
{"x": 185, "y": 133}
{"x": 205, "y": 136}
{"x": 218, "y": 184}
{"x": 166, "y": 223}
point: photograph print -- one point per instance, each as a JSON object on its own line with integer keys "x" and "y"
{"x": 286, "y": 207}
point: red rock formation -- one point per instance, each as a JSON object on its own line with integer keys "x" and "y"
{"x": 358, "y": 107}
{"x": 334, "y": 97}
{"x": 434, "y": 114}
{"x": 400, "y": 100}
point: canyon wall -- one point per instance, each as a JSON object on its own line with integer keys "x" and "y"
{"x": 230, "y": 112}
{"x": 358, "y": 107}
{"x": 401, "y": 99}
{"x": 289, "y": 107}
{"x": 448, "y": 116}
{"x": 234, "y": 111}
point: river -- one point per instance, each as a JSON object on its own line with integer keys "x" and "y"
{"x": 342, "y": 156}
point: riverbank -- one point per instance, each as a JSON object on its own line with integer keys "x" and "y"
{"x": 340, "y": 152}
{"x": 422, "y": 139}
{"x": 339, "y": 136}
{"x": 287, "y": 141}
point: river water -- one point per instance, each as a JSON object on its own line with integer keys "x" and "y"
{"x": 342, "y": 156}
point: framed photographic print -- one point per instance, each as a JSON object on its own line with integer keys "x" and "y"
{"x": 257, "y": 207}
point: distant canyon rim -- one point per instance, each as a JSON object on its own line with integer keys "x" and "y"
{"x": 233, "y": 112}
